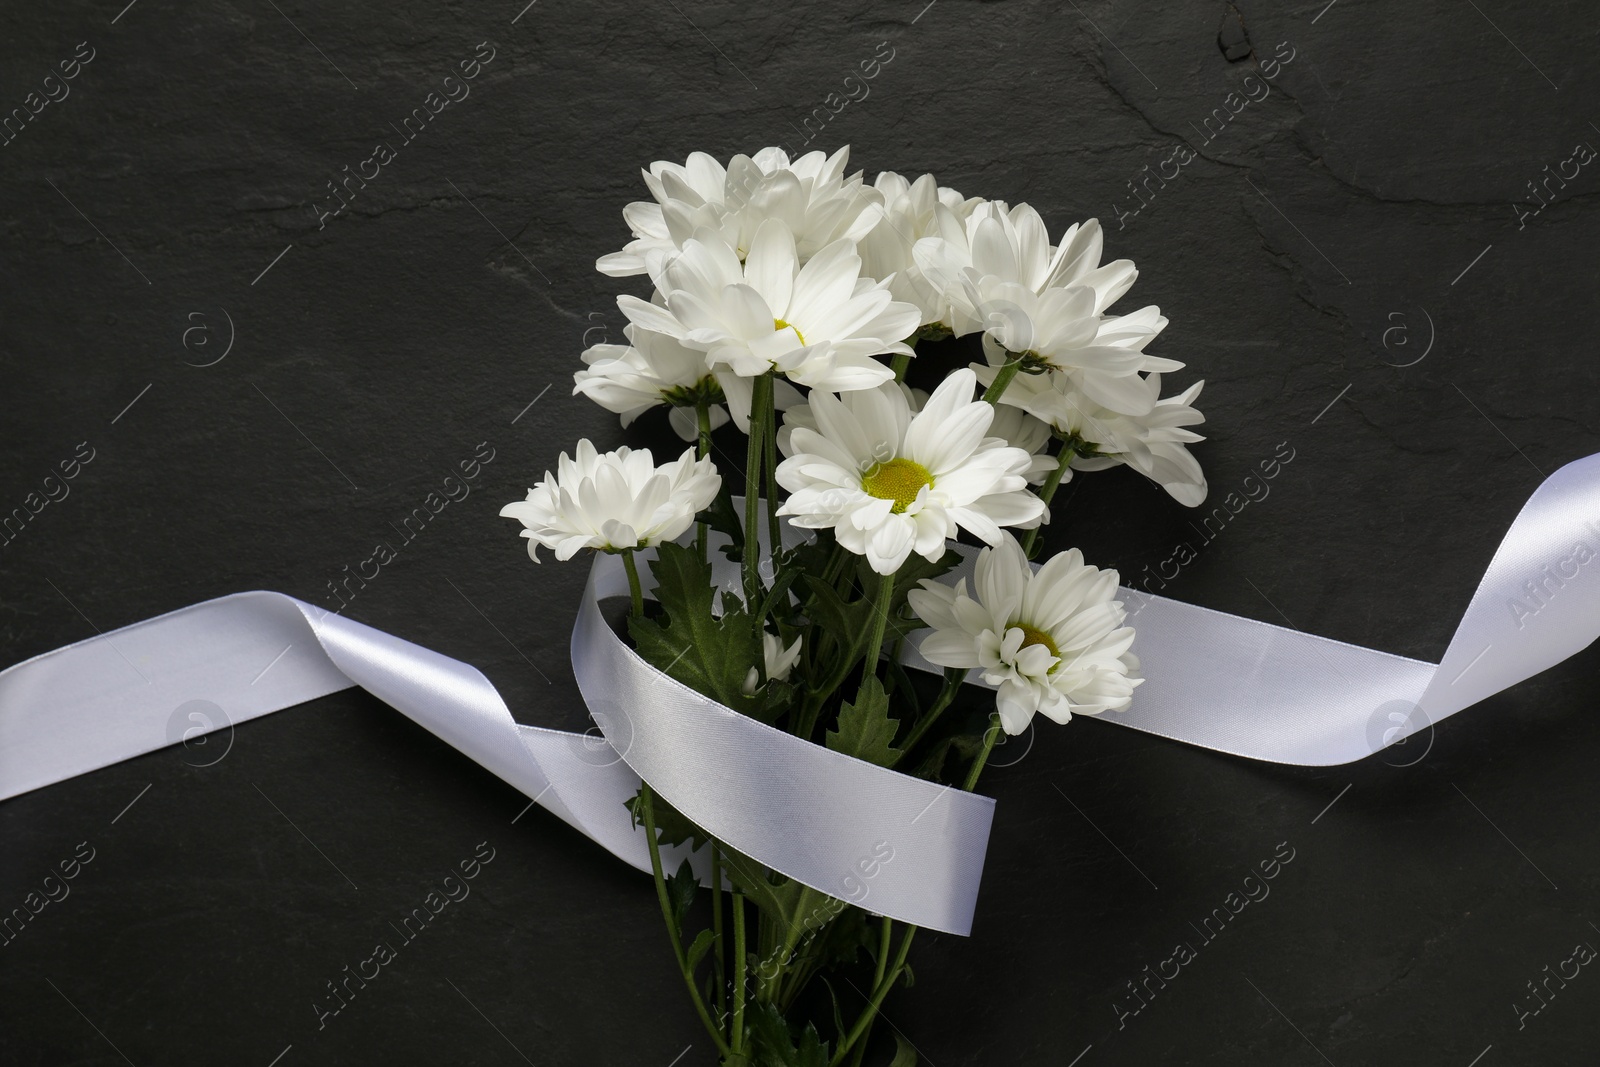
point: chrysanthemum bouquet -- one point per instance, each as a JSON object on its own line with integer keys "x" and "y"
{"x": 791, "y": 299}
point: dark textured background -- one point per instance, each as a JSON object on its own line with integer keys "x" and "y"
{"x": 1319, "y": 240}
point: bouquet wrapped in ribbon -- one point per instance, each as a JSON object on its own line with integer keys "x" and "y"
{"x": 776, "y": 669}
{"x": 790, "y": 299}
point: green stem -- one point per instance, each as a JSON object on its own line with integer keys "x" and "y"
{"x": 795, "y": 982}
{"x": 1008, "y": 370}
{"x": 633, "y": 582}
{"x": 816, "y": 642}
{"x": 861, "y": 1045}
{"x": 756, "y": 448}
{"x": 817, "y": 639}
{"x": 702, "y": 415}
{"x": 898, "y": 363}
{"x": 768, "y": 990}
{"x": 883, "y": 964}
{"x": 880, "y": 621}
{"x": 811, "y": 706}
{"x": 836, "y": 564}
{"x": 718, "y": 945}
{"x": 864, "y": 1023}
{"x": 702, "y": 412}
{"x": 887, "y": 981}
{"x": 806, "y": 722}
{"x": 1030, "y": 540}
{"x": 774, "y": 534}
{"x": 878, "y": 994}
{"x": 649, "y": 805}
{"x": 739, "y": 968}
{"x": 990, "y": 736}
{"x": 953, "y": 679}
{"x": 883, "y": 949}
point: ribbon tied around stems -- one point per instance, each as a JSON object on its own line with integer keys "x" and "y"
{"x": 1216, "y": 680}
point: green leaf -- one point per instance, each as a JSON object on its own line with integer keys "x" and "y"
{"x": 841, "y": 626}
{"x": 812, "y": 555}
{"x": 710, "y": 654}
{"x": 769, "y": 1036}
{"x": 813, "y": 1051}
{"x": 905, "y": 1054}
{"x": 833, "y": 933}
{"x": 722, "y": 517}
{"x": 785, "y": 601}
{"x": 776, "y": 698}
{"x": 838, "y": 1015}
{"x": 774, "y": 1047}
{"x": 681, "y": 890}
{"x": 851, "y": 932}
{"x": 697, "y": 951}
{"x": 672, "y": 826}
{"x": 778, "y": 595}
{"x": 901, "y": 688}
{"x": 846, "y": 619}
{"x": 780, "y": 903}
{"x": 865, "y": 729}
{"x": 958, "y": 735}
{"x": 932, "y": 765}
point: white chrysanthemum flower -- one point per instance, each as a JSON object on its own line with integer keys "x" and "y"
{"x": 1051, "y": 642}
{"x": 613, "y": 502}
{"x": 779, "y": 661}
{"x": 907, "y": 212}
{"x": 652, "y": 369}
{"x": 1134, "y": 330}
{"x": 1155, "y": 443}
{"x": 1045, "y": 303}
{"x": 1021, "y": 430}
{"x": 811, "y": 195}
{"x": 820, "y": 323}
{"x": 1114, "y": 384}
{"x": 888, "y": 482}
{"x": 1011, "y": 246}
{"x": 799, "y": 415}
{"x": 1011, "y": 424}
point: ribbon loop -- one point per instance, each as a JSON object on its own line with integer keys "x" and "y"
{"x": 899, "y": 846}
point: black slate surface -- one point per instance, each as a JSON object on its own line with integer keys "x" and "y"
{"x": 1353, "y": 262}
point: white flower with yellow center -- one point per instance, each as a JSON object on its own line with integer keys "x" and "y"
{"x": 811, "y": 195}
{"x": 888, "y": 482}
{"x": 1051, "y": 642}
{"x": 1012, "y": 425}
{"x": 613, "y": 502}
{"x": 820, "y": 324}
{"x": 651, "y": 370}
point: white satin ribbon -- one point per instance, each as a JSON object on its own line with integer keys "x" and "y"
{"x": 1215, "y": 680}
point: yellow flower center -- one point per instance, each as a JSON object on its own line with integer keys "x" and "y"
{"x": 779, "y": 324}
{"x": 1032, "y": 636}
{"x": 899, "y": 480}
